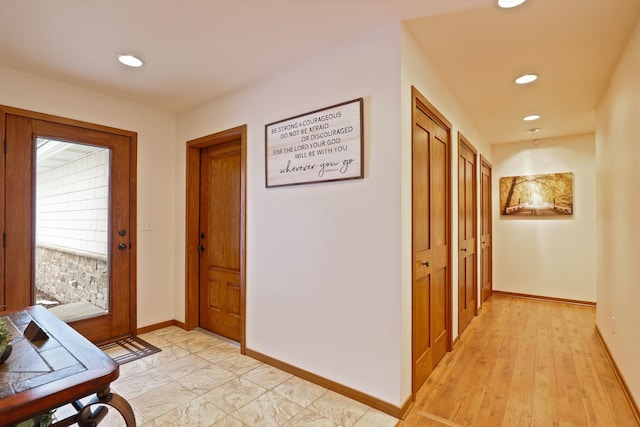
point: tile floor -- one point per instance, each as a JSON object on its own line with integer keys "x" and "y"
{"x": 201, "y": 380}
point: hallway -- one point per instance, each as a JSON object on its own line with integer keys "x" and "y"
{"x": 524, "y": 362}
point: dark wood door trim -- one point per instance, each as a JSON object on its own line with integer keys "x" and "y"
{"x": 192, "y": 280}
{"x": 3, "y": 304}
{"x": 114, "y": 133}
{"x": 66, "y": 121}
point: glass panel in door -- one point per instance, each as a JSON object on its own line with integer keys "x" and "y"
{"x": 72, "y": 228}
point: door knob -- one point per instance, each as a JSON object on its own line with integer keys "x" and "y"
{"x": 201, "y": 248}
{"x": 122, "y": 246}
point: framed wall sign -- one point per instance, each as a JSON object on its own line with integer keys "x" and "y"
{"x": 323, "y": 145}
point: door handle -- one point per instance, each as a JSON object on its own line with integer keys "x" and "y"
{"x": 122, "y": 246}
{"x": 426, "y": 263}
{"x": 201, "y": 248}
{"x": 464, "y": 249}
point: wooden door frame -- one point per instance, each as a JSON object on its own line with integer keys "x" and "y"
{"x": 3, "y": 304}
{"x": 484, "y": 162}
{"x": 133, "y": 202}
{"x": 192, "y": 281}
{"x": 464, "y": 142}
{"x": 418, "y": 101}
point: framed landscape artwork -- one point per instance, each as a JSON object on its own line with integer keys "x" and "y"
{"x": 537, "y": 195}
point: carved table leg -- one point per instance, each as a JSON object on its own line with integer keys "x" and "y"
{"x": 86, "y": 418}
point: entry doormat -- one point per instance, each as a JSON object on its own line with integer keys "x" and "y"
{"x": 128, "y": 349}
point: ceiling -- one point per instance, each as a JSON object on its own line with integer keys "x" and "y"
{"x": 197, "y": 50}
{"x": 52, "y": 154}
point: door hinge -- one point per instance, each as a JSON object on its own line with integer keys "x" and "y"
{"x": 5, "y": 146}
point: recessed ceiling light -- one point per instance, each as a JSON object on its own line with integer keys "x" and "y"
{"x": 534, "y": 130}
{"x": 531, "y": 117}
{"x": 508, "y": 4}
{"x": 526, "y": 78}
{"x": 130, "y": 60}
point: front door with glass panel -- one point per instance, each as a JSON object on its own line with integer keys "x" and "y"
{"x": 68, "y": 239}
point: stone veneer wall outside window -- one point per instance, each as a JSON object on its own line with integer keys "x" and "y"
{"x": 69, "y": 277}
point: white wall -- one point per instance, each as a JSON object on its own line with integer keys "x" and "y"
{"x": 618, "y": 211}
{"x": 547, "y": 257}
{"x": 323, "y": 260}
{"x": 156, "y": 137}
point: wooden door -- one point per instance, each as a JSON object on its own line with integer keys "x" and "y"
{"x": 486, "y": 221}
{"x": 220, "y": 213}
{"x": 431, "y": 294}
{"x": 467, "y": 233}
{"x": 3, "y": 303}
{"x": 25, "y": 132}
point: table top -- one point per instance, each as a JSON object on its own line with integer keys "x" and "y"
{"x": 46, "y": 374}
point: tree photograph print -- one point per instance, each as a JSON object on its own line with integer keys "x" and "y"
{"x": 537, "y": 195}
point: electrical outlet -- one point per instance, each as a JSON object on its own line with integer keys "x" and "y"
{"x": 613, "y": 325}
{"x": 147, "y": 225}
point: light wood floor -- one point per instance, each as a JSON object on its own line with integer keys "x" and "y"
{"x": 524, "y": 362}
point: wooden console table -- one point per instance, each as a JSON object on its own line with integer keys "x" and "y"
{"x": 43, "y": 375}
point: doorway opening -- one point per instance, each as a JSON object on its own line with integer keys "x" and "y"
{"x": 67, "y": 211}
{"x": 215, "y": 234}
